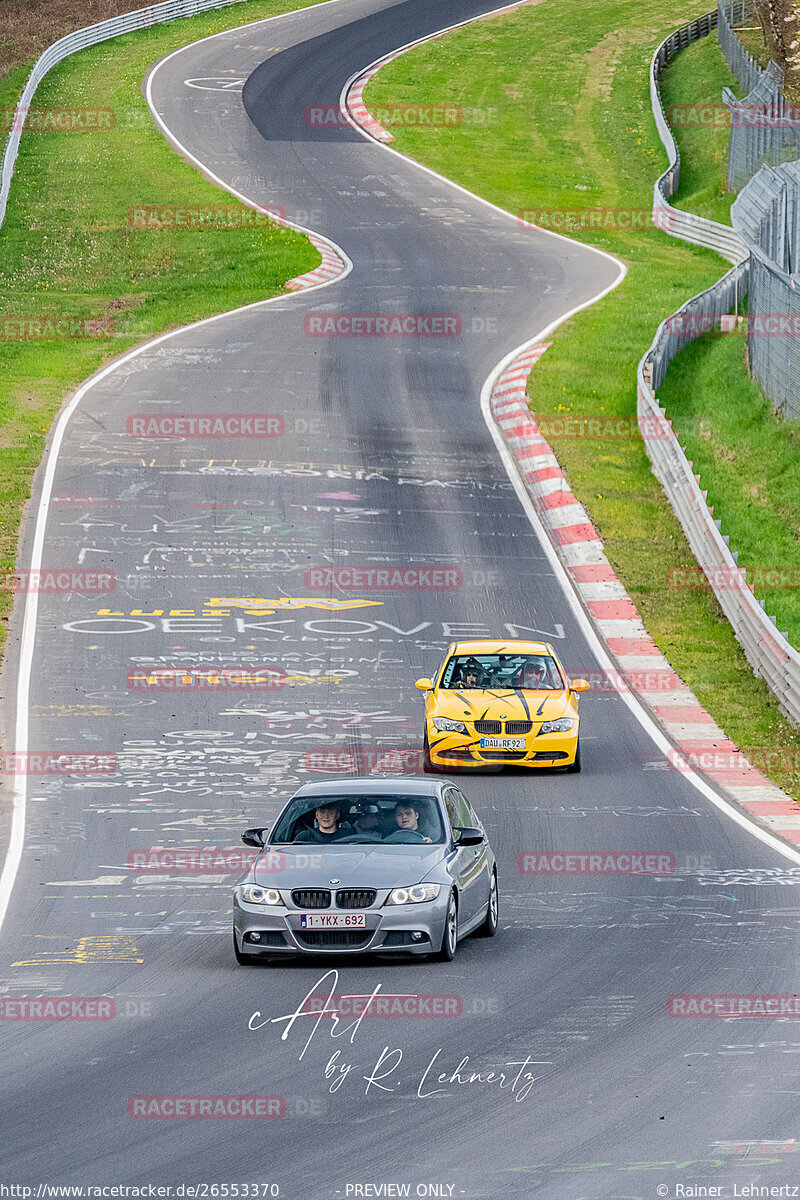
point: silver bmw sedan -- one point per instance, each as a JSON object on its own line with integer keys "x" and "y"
{"x": 367, "y": 866}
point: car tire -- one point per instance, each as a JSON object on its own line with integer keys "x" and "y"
{"x": 427, "y": 766}
{"x": 244, "y": 960}
{"x": 575, "y": 767}
{"x": 450, "y": 932}
{"x": 489, "y": 926}
{"x": 431, "y": 768}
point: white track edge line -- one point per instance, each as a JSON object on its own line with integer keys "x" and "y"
{"x": 384, "y": 61}
{"x": 16, "y": 842}
{"x": 647, "y": 722}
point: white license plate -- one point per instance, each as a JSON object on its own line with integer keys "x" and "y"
{"x": 502, "y": 743}
{"x": 333, "y": 921}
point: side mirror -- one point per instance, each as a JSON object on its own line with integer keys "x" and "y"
{"x": 254, "y": 837}
{"x": 468, "y": 836}
{"x": 424, "y": 685}
{"x": 579, "y": 685}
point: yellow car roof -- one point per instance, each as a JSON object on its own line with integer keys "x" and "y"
{"x": 500, "y": 646}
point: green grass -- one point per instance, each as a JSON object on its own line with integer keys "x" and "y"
{"x": 747, "y": 458}
{"x": 66, "y": 248}
{"x": 692, "y": 83}
{"x": 572, "y": 125}
{"x": 752, "y": 38}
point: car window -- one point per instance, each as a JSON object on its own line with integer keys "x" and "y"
{"x": 532, "y": 672}
{"x": 463, "y": 814}
{"x": 362, "y": 818}
{"x": 457, "y": 809}
{"x": 474, "y": 819}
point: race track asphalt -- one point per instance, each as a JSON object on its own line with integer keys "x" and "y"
{"x": 385, "y": 459}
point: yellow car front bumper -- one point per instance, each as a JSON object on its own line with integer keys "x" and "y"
{"x": 464, "y": 750}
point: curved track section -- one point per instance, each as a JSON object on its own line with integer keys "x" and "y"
{"x": 385, "y": 459}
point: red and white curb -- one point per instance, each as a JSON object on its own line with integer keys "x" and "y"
{"x": 352, "y": 101}
{"x": 358, "y": 109}
{"x": 699, "y": 740}
{"x": 701, "y": 744}
{"x": 330, "y": 268}
{"x": 335, "y": 263}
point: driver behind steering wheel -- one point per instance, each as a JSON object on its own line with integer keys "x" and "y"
{"x": 472, "y": 675}
{"x": 406, "y": 817}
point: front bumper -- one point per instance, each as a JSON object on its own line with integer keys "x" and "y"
{"x": 463, "y": 750}
{"x": 388, "y": 930}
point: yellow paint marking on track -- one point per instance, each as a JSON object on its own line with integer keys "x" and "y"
{"x": 263, "y": 606}
{"x": 100, "y": 949}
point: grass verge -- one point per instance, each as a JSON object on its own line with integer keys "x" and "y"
{"x": 747, "y": 457}
{"x": 752, "y": 38}
{"x": 67, "y": 249}
{"x": 691, "y": 89}
{"x": 571, "y": 126}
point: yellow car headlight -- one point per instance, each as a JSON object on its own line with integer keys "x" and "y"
{"x": 562, "y": 725}
{"x": 445, "y": 725}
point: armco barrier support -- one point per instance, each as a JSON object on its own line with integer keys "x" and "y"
{"x": 333, "y": 263}
{"x": 769, "y": 652}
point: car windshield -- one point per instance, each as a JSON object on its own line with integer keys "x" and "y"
{"x": 534, "y": 672}
{"x": 375, "y": 820}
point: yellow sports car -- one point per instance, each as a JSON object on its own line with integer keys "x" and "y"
{"x": 501, "y": 702}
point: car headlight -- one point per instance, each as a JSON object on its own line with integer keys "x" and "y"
{"x": 562, "y": 725}
{"x": 253, "y": 894}
{"x": 417, "y": 894}
{"x": 445, "y": 725}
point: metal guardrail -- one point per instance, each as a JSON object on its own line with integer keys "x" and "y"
{"x": 769, "y": 652}
{"x": 80, "y": 39}
{"x": 684, "y": 225}
{"x": 704, "y": 311}
{"x": 762, "y": 160}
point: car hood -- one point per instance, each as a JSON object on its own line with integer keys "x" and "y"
{"x": 502, "y": 704}
{"x": 311, "y": 865}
